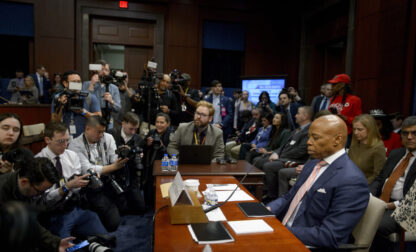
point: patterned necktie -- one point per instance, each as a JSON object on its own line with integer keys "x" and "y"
{"x": 394, "y": 176}
{"x": 302, "y": 190}
{"x": 324, "y": 104}
{"x": 58, "y": 166}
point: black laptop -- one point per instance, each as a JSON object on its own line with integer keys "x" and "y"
{"x": 195, "y": 154}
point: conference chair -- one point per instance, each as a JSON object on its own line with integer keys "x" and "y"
{"x": 402, "y": 237}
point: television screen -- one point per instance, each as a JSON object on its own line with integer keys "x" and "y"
{"x": 255, "y": 86}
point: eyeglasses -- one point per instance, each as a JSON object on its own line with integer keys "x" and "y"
{"x": 36, "y": 189}
{"x": 62, "y": 141}
{"x": 200, "y": 114}
{"x": 405, "y": 133}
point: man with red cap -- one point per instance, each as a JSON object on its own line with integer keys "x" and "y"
{"x": 343, "y": 103}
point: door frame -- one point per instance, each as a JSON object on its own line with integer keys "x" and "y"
{"x": 83, "y": 38}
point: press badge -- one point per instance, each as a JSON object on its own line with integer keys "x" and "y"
{"x": 183, "y": 107}
{"x": 292, "y": 142}
{"x": 72, "y": 129}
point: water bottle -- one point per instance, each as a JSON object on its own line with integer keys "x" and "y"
{"x": 174, "y": 163}
{"x": 165, "y": 163}
{"x": 208, "y": 195}
{"x": 213, "y": 197}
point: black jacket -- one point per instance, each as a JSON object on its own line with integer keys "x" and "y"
{"x": 296, "y": 148}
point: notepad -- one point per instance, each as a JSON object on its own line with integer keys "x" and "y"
{"x": 214, "y": 215}
{"x": 250, "y": 226}
{"x": 254, "y": 209}
{"x": 239, "y": 195}
{"x": 223, "y": 187}
{"x": 211, "y": 232}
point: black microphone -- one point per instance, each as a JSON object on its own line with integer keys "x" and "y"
{"x": 209, "y": 209}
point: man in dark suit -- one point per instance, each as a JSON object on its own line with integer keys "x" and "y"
{"x": 223, "y": 116}
{"x": 294, "y": 150}
{"x": 322, "y": 101}
{"x": 289, "y": 108}
{"x": 43, "y": 84}
{"x": 331, "y": 193}
{"x": 393, "y": 182}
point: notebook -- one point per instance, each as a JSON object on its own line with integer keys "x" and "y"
{"x": 211, "y": 232}
{"x": 250, "y": 226}
{"x": 254, "y": 209}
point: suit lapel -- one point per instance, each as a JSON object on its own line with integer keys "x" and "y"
{"x": 188, "y": 134}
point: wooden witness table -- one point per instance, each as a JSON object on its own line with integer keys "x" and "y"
{"x": 238, "y": 170}
{"x": 177, "y": 237}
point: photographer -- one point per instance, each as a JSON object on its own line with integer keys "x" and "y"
{"x": 159, "y": 138}
{"x": 187, "y": 97}
{"x": 97, "y": 152}
{"x": 27, "y": 184}
{"x": 126, "y": 97}
{"x": 63, "y": 197}
{"x": 63, "y": 103}
{"x": 101, "y": 84}
{"x": 15, "y": 85}
{"x": 129, "y": 145}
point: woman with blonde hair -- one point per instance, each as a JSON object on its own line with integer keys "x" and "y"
{"x": 367, "y": 150}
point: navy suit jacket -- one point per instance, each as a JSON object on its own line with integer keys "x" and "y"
{"x": 46, "y": 86}
{"x": 227, "y": 120}
{"x": 327, "y": 217}
{"x": 294, "y": 106}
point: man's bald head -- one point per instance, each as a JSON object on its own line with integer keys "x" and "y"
{"x": 327, "y": 135}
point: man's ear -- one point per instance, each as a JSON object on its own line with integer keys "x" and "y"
{"x": 48, "y": 140}
{"x": 210, "y": 119}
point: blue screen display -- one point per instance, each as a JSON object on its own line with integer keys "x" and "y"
{"x": 255, "y": 87}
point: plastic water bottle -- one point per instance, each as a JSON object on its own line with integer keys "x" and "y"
{"x": 211, "y": 197}
{"x": 174, "y": 163}
{"x": 165, "y": 163}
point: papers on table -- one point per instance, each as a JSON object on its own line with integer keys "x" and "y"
{"x": 239, "y": 195}
{"x": 164, "y": 188}
{"x": 214, "y": 215}
{"x": 250, "y": 226}
{"x": 223, "y": 187}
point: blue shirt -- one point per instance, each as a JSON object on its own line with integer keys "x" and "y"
{"x": 99, "y": 91}
{"x": 79, "y": 120}
{"x": 262, "y": 138}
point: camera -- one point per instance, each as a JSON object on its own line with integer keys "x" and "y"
{"x": 133, "y": 154}
{"x": 95, "y": 182}
{"x": 156, "y": 140}
{"x": 75, "y": 97}
{"x": 176, "y": 80}
{"x": 118, "y": 77}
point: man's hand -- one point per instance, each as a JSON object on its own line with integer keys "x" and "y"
{"x": 108, "y": 97}
{"x": 77, "y": 182}
{"x": 390, "y": 206}
{"x": 262, "y": 150}
{"x": 5, "y": 166}
{"x": 299, "y": 169}
{"x": 149, "y": 141}
{"x": 164, "y": 109}
{"x": 274, "y": 157}
{"x": 66, "y": 243}
{"x": 120, "y": 163}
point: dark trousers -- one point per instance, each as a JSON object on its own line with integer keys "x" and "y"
{"x": 244, "y": 149}
{"x": 251, "y": 155}
{"x": 271, "y": 177}
{"x": 386, "y": 227}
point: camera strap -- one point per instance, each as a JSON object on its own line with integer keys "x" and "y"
{"x": 100, "y": 154}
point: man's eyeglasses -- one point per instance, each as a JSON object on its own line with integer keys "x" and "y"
{"x": 200, "y": 114}
{"x": 62, "y": 141}
{"x": 405, "y": 133}
{"x": 36, "y": 189}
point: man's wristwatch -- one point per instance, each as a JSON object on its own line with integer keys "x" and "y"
{"x": 64, "y": 189}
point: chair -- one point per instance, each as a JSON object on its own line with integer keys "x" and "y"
{"x": 366, "y": 228}
{"x": 403, "y": 237}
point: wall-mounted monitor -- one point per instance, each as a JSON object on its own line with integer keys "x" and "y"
{"x": 257, "y": 84}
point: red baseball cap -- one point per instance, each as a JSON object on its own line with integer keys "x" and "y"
{"x": 340, "y": 78}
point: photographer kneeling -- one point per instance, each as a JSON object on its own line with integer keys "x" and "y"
{"x": 63, "y": 197}
{"x": 73, "y": 107}
{"x": 97, "y": 152}
{"x": 129, "y": 145}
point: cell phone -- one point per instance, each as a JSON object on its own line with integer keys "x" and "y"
{"x": 78, "y": 246}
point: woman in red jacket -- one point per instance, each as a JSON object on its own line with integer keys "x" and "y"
{"x": 343, "y": 103}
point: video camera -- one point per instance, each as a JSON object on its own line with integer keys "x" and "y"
{"x": 176, "y": 80}
{"x": 118, "y": 77}
{"x": 75, "y": 97}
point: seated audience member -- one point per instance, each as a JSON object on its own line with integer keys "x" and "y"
{"x": 130, "y": 175}
{"x": 26, "y": 184}
{"x": 260, "y": 141}
{"x": 241, "y": 105}
{"x": 57, "y": 85}
{"x": 265, "y": 104}
{"x": 15, "y": 85}
{"x": 331, "y": 194}
{"x": 295, "y": 150}
{"x": 367, "y": 150}
{"x": 391, "y": 140}
{"x": 223, "y": 115}
{"x": 295, "y": 96}
{"x": 11, "y": 132}
{"x": 322, "y": 101}
{"x": 247, "y": 134}
{"x": 163, "y": 131}
{"x": 97, "y": 153}
{"x": 393, "y": 182}
{"x": 42, "y": 84}
{"x": 63, "y": 197}
{"x": 278, "y": 136}
{"x": 343, "y": 103}
{"x": 199, "y": 132}
{"x": 289, "y": 108}
{"x": 29, "y": 93}
{"x": 74, "y": 119}
{"x": 405, "y": 213}
{"x": 396, "y": 120}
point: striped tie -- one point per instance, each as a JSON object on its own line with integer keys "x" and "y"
{"x": 302, "y": 190}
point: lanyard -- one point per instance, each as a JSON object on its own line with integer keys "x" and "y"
{"x": 100, "y": 154}
{"x": 196, "y": 139}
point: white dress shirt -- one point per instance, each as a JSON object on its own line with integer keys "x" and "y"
{"x": 40, "y": 81}
{"x": 125, "y": 137}
{"x": 329, "y": 160}
{"x": 217, "y": 114}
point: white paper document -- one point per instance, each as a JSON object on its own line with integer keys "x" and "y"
{"x": 223, "y": 187}
{"x": 239, "y": 195}
{"x": 214, "y": 215}
{"x": 250, "y": 226}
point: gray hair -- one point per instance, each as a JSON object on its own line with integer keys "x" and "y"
{"x": 409, "y": 122}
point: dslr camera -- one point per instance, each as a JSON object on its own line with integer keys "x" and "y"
{"x": 133, "y": 154}
{"x": 95, "y": 182}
